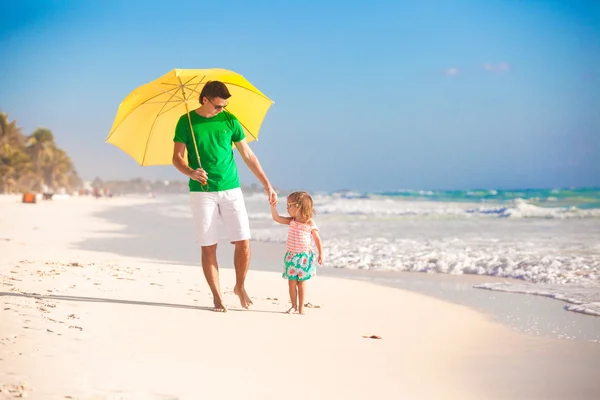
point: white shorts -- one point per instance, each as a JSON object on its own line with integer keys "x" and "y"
{"x": 227, "y": 206}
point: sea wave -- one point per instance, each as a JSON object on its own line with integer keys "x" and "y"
{"x": 518, "y": 208}
{"x": 393, "y": 205}
{"x": 455, "y": 256}
{"x": 584, "y": 299}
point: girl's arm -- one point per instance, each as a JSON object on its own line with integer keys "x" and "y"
{"x": 319, "y": 244}
{"x": 279, "y": 218}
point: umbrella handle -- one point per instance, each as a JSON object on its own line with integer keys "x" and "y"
{"x": 187, "y": 112}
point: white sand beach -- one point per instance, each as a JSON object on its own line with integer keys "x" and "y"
{"x": 80, "y": 324}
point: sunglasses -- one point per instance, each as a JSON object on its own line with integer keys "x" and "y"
{"x": 292, "y": 204}
{"x": 216, "y": 106}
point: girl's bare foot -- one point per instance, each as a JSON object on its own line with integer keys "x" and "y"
{"x": 301, "y": 311}
{"x": 292, "y": 310}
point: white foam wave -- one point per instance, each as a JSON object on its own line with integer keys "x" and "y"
{"x": 388, "y": 207}
{"x": 522, "y": 209}
{"x": 583, "y": 299}
{"x": 255, "y": 196}
{"x": 454, "y": 256}
{"x": 259, "y": 216}
{"x": 385, "y": 206}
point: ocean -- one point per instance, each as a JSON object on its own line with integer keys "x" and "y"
{"x": 544, "y": 241}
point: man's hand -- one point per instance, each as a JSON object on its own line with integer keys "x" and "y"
{"x": 271, "y": 195}
{"x": 199, "y": 175}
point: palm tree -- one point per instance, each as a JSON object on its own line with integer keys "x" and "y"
{"x": 13, "y": 161}
{"x": 15, "y": 166}
{"x": 41, "y": 148}
{"x": 59, "y": 171}
{"x": 30, "y": 162}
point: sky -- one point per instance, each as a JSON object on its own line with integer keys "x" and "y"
{"x": 369, "y": 95}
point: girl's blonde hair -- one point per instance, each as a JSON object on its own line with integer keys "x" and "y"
{"x": 304, "y": 202}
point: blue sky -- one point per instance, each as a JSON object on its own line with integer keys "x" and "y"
{"x": 372, "y": 95}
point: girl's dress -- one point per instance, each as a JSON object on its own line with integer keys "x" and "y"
{"x": 299, "y": 261}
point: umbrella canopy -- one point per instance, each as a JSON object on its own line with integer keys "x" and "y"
{"x": 145, "y": 122}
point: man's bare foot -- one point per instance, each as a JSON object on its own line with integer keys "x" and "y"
{"x": 245, "y": 300}
{"x": 292, "y": 310}
{"x": 248, "y": 299}
{"x": 219, "y": 307}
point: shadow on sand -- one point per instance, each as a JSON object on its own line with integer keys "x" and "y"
{"x": 118, "y": 301}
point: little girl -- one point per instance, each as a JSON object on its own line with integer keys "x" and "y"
{"x": 299, "y": 258}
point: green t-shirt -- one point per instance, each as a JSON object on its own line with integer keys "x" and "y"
{"x": 215, "y": 137}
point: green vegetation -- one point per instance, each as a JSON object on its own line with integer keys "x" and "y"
{"x": 27, "y": 163}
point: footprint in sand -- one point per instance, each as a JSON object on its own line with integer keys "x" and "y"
{"x": 9, "y": 339}
{"x": 53, "y": 320}
{"x": 45, "y": 306}
{"x": 16, "y": 391}
{"x": 309, "y": 305}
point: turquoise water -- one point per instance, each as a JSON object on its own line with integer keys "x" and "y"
{"x": 582, "y": 198}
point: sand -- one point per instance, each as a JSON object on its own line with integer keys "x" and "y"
{"x": 86, "y": 324}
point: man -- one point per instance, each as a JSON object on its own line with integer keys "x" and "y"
{"x": 215, "y": 192}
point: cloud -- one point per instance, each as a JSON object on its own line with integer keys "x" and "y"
{"x": 452, "y": 71}
{"x": 499, "y": 67}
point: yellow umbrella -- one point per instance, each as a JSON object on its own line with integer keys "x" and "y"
{"x": 145, "y": 123}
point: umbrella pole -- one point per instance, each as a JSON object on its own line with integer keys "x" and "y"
{"x": 187, "y": 112}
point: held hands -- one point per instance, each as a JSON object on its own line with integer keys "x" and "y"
{"x": 271, "y": 195}
{"x": 199, "y": 175}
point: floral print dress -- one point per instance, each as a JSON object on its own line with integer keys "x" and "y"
{"x": 299, "y": 259}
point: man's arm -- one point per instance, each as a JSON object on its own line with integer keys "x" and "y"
{"x": 252, "y": 162}
{"x": 182, "y": 166}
